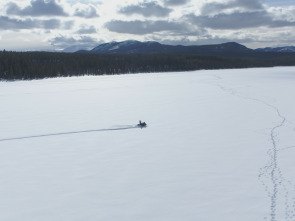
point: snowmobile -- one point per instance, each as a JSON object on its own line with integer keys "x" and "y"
{"x": 141, "y": 124}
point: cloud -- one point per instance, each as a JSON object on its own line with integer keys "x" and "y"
{"x": 66, "y": 25}
{"x": 37, "y": 8}
{"x": 50, "y": 24}
{"x": 146, "y": 9}
{"x": 145, "y": 27}
{"x": 87, "y": 30}
{"x": 239, "y": 20}
{"x": 217, "y": 7}
{"x": 17, "y": 24}
{"x": 69, "y": 43}
{"x": 175, "y": 2}
{"x": 284, "y": 13}
{"x": 85, "y": 11}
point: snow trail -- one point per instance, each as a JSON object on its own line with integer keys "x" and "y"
{"x": 277, "y": 187}
{"x": 70, "y": 132}
{"x": 286, "y": 148}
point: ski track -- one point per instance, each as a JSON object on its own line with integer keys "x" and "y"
{"x": 68, "y": 133}
{"x": 276, "y": 186}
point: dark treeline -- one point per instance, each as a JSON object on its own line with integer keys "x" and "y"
{"x": 39, "y": 65}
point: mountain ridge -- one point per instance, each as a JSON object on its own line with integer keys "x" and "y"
{"x": 153, "y": 47}
{"x": 282, "y": 49}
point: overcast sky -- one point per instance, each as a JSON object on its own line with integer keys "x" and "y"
{"x": 75, "y": 24}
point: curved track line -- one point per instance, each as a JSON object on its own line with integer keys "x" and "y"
{"x": 279, "y": 186}
{"x": 286, "y": 148}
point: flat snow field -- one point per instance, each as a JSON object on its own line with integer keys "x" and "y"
{"x": 219, "y": 146}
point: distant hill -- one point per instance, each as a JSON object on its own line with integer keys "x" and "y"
{"x": 277, "y": 49}
{"x": 152, "y": 47}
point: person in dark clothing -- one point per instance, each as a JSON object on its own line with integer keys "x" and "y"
{"x": 141, "y": 124}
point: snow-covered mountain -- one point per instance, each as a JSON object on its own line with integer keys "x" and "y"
{"x": 277, "y": 49}
{"x": 124, "y": 46}
{"x": 73, "y": 48}
{"x": 152, "y": 47}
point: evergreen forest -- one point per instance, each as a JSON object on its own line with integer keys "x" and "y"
{"x": 40, "y": 65}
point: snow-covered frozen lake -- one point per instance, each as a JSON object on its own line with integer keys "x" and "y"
{"x": 220, "y": 145}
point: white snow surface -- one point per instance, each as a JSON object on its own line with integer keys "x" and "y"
{"x": 220, "y": 145}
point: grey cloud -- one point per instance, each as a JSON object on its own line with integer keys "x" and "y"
{"x": 145, "y": 27}
{"x": 73, "y": 44}
{"x": 51, "y": 24}
{"x": 87, "y": 30}
{"x": 238, "y": 20}
{"x": 146, "y": 9}
{"x": 59, "y": 40}
{"x": 89, "y": 12}
{"x": 175, "y": 2}
{"x": 8, "y": 23}
{"x": 37, "y": 8}
{"x": 216, "y": 7}
{"x": 15, "y": 24}
{"x": 67, "y": 25}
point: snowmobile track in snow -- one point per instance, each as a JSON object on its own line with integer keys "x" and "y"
{"x": 68, "y": 133}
